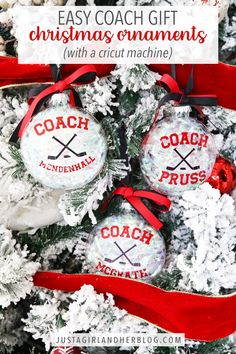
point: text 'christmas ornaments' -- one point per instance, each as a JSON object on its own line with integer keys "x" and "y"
{"x": 125, "y": 245}
{"x": 63, "y": 147}
{"x": 178, "y": 153}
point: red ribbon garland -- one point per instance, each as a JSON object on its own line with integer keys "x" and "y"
{"x": 199, "y": 317}
{"x": 59, "y": 86}
{"x": 133, "y": 197}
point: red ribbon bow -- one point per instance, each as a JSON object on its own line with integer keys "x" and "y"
{"x": 79, "y": 75}
{"x": 133, "y": 197}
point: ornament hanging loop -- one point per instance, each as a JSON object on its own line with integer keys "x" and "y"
{"x": 134, "y": 198}
{"x": 56, "y": 72}
{"x": 84, "y": 75}
{"x": 183, "y": 97}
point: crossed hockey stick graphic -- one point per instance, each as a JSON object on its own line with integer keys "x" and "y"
{"x": 183, "y": 159}
{"x": 65, "y": 147}
{"x": 123, "y": 253}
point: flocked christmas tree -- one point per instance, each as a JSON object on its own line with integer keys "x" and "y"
{"x": 47, "y": 229}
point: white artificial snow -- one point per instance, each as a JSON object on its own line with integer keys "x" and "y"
{"x": 37, "y": 213}
{"x": 229, "y": 146}
{"x": 12, "y": 110}
{"x": 209, "y": 263}
{"x": 43, "y": 320}
{"x": 99, "y": 96}
{"x": 135, "y": 77}
{"x": 23, "y": 205}
{"x": 144, "y": 113}
{"x": 2, "y": 46}
{"x": 16, "y": 270}
{"x": 229, "y": 34}
{"x": 72, "y": 214}
{"x": 11, "y": 3}
{"x": 84, "y": 310}
{"x": 77, "y": 247}
{"x": 219, "y": 117}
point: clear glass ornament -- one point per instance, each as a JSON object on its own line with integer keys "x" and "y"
{"x": 125, "y": 245}
{"x": 64, "y": 147}
{"x": 178, "y": 153}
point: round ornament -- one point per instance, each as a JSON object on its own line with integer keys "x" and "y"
{"x": 223, "y": 6}
{"x": 178, "y": 153}
{"x": 64, "y": 147}
{"x": 223, "y": 176}
{"x": 125, "y": 245}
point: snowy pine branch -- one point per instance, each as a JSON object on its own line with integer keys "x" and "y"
{"x": 16, "y": 270}
{"x": 84, "y": 310}
{"x": 76, "y": 204}
{"x": 209, "y": 263}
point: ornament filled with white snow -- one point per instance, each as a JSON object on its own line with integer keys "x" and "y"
{"x": 222, "y": 5}
{"x": 64, "y": 147}
{"x": 125, "y": 245}
{"x": 178, "y": 153}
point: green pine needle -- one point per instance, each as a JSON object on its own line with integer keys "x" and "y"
{"x": 50, "y": 235}
{"x": 19, "y": 168}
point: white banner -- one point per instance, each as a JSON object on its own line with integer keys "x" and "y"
{"x": 118, "y": 339}
{"x": 117, "y": 34}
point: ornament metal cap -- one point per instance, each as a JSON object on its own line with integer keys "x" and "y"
{"x": 180, "y": 110}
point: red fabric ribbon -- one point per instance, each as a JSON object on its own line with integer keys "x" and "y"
{"x": 59, "y": 86}
{"x": 206, "y": 79}
{"x": 199, "y": 317}
{"x": 170, "y": 82}
{"x": 181, "y": 97}
{"x": 15, "y": 74}
{"x": 133, "y": 197}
